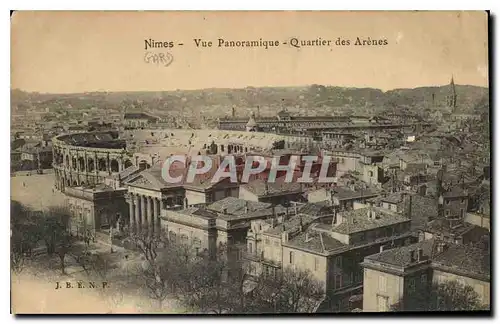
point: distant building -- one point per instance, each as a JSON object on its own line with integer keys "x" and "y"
{"x": 138, "y": 119}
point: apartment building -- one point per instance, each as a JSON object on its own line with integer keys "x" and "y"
{"x": 401, "y": 278}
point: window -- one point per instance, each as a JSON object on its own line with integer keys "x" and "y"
{"x": 447, "y": 213}
{"x": 411, "y": 284}
{"x": 382, "y": 304}
{"x": 172, "y": 235}
{"x": 250, "y": 248}
{"x": 338, "y": 262}
{"x": 423, "y": 278}
{"x": 316, "y": 264}
{"x": 382, "y": 283}
{"x": 447, "y": 202}
{"x": 463, "y": 201}
{"x": 291, "y": 257}
{"x": 338, "y": 281}
{"x": 462, "y": 213}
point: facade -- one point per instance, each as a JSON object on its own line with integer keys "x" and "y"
{"x": 401, "y": 278}
{"x": 96, "y": 208}
{"x": 222, "y": 223}
{"x": 38, "y": 157}
{"x": 330, "y": 246}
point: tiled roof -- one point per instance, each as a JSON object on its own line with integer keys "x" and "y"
{"x": 401, "y": 256}
{"x": 292, "y": 224}
{"x": 393, "y": 198}
{"x": 236, "y": 206}
{"x": 358, "y": 221}
{"x": 315, "y": 241}
{"x": 316, "y": 209}
{"x": 263, "y": 188}
{"x": 197, "y": 211}
{"x": 443, "y": 226}
{"x": 345, "y": 193}
{"x": 466, "y": 259}
{"x": 422, "y": 210}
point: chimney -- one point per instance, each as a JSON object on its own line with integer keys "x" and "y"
{"x": 295, "y": 208}
{"x": 369, "y": 212}
{"x": 382, "y": 248}
{"x": 246, "y": 207}
{"x": 420, "y": 254}
{"x": 224, "y": 211}
{"x": 441, "y": 247}
{"x": 284, "y": 237}
{"x": 301, "y": 225}
{"x": 410, "y": 197}
{"x": 413, "y": 256}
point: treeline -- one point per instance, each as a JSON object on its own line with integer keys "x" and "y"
{"x": 47, "y": 232}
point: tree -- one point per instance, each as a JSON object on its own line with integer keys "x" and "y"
{"x": 155, "y": 268}
{"x": 291, "y": 291}
{"x": 25, "y": 234}
{"x": 447, "y": 296}
{"x": 454, "y": 296}
{"x": 55, "y": 233}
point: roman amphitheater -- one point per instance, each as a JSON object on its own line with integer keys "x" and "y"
{"x": 86, "y": 159}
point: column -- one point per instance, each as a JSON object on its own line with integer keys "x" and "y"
{"x": 156, "y": 217}
{"x": 143, "y": 211}
{"x": 149, "y": 213}
{"x": 137, "y": 214}
{"x": 131, "y": 212}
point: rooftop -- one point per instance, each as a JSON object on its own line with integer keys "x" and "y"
{"x": 345, "y": 193}
{"x": 465, "y": 259}
{"x": 291, "y": 224}
{"x": 447, "y": 228}
{"x": 358, "y": 221}
{"x": 236, "y": 206}
{"x": 263, "y": 188}
{"x": 316, "y": 241}
{"x": 402, "y": 256}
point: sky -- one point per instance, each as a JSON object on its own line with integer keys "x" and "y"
{"x": 67, "y": 52}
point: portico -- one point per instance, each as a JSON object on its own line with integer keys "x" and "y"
{"x": 144, "y": 212}
{"x": 147, "y": 195}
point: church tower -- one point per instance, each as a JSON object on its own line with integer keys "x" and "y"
{"x": 451, "y": 99}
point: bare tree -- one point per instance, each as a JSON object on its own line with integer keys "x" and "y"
{"x": 153, "y": 249}
{"x": 55, "y": 233}
{"x": 447, "y": 296}
{"x": 290, "y": 291}
{"x": 25, "y": 234}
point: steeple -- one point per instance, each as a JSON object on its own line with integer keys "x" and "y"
{"x": 452, "y": 97}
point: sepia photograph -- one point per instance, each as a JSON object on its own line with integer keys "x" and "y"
{"x": 250, "y": 162}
